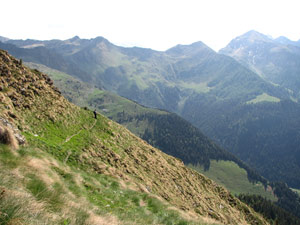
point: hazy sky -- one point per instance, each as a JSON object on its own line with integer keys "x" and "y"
{"x": 156, "y": 24}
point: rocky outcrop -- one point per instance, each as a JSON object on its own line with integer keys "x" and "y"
{"x": 6, "y": 125}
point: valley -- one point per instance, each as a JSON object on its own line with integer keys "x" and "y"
{"x": 249, "y": 111}
{"x": 104, "y": 175}
{"x": 227, "y": 101}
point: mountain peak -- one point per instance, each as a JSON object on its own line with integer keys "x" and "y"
{"x": 3, "y": 39}
{"x": 253, "y": 35}
{"x": 75, "y": 38}
{"x": 239, "y": 43}
{"x": 190, "y": 50}
{"x": 282, "y": 38}
{"x": 100, "y": 39}
{"x": 285, "y": 41}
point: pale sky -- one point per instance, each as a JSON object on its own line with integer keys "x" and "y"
{"x": 156, "y": 24}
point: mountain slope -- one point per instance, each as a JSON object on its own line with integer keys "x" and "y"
{"x": 212, "y": 91}
{"x": 275, "y": 60}
{"x": 159, "y": 79}
{"x": 164, "y": 130}
{"x": 286, "y": 41}
{"x": 98, "y": 148}
{"x": 176, "y": 137}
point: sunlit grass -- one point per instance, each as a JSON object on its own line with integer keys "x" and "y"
{"x": 234, "y": 178}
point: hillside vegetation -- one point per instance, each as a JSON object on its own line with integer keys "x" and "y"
{"x": 164, "y": 130}
{"x": 234, "y": 178}
{"x": 210, "y": 90}
{"x": 77, "y": 169}
{"x": 177, "y": 137}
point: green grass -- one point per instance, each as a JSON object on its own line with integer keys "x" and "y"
{"x": 101, "y": 191}
{"x": 53, "y": 196}
{"x": 53, "y": 175}
{"x": 8, "y": 158}
{"x": 52, "y": 136}
{"x": 128, "y": 204}
{"x": 234, "y": 178}
{"x": 263, "y": 98}
{"x": 14, "y": 210}
{"x": 110, "y": 198}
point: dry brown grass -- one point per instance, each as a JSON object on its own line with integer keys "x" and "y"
{"x": 104, "y": 220}
{"x": 7, "y": 137}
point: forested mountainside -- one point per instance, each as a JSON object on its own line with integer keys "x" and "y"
{"x": 164, "y": 130}
{"x": 74, "y": 168}
{"x": 273, "y": 213}
{"x": 177, "y": 137}
{"x": 214, "y": 92}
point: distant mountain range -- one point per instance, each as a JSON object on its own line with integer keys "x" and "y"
{"x": 286, "y": 41}
{"x": 231, "y": 103}
{"x": 275, "y": 60}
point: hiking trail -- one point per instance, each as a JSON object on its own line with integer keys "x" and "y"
{"x": 70, "y": 137}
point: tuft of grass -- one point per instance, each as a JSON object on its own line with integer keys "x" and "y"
{"x": 68, "y": 180}
{"x": 154, "y": 205}
{"x": 8, "y": 158}
{"x": 14, "y": 210}
{"x": 42, "y": 193}
{"x": 10, "y": 211}
{"x": 80, "y": 218}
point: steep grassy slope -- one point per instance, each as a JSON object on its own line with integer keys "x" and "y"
{"x": 214, "y": 92}
{"x": 162, "y": 129}
{"x": 66, "y": 144}
{"x": 173, "y": 135}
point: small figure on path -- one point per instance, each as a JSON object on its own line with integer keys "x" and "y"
{"x": 95, "y": 114}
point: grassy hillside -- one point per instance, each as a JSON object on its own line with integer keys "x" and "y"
{"x": 210, "y": 90}
{"x": 77, "y": 169}
{"x": 171, "y": 134}
{"x": 47, "y": 191}
{"x": 234, "y": 178}
{"x": 162, "y": 129}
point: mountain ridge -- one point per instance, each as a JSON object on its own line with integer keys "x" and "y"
{"x": 169, "y": 138}
{"x": 31, "y": 102}
{"x": 157, "y": 130}
{"x": 274, "y": 60}
{"x": 214, "y": 84}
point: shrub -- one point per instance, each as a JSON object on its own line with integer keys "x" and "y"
{"x": 7, "y": 137}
